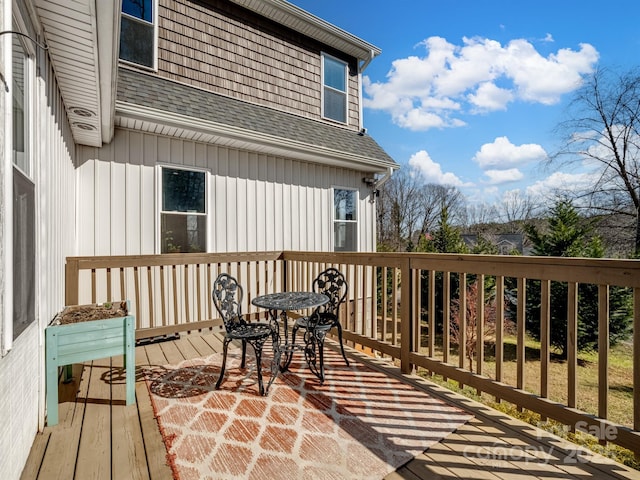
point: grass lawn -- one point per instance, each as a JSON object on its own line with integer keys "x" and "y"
{"x": 620, "y": 398}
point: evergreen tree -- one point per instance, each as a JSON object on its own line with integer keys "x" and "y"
{"x": 445, "y": 239}
{"x": 568, "y": 235}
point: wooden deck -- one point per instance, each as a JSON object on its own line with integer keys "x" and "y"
{"x": 99, "y": 437}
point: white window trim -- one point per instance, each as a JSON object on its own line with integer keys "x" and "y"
{"x": 346, "y": 88}
{"x": 153, "y": 68}
{"x": 334, "y": 220}
{"x": 6, "y": 322}
{"x": 160, "y": 211}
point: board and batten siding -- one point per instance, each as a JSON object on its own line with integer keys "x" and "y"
{"x": 22, "y": 368}
{"x": 221, "y": 47}
{"x": 255, "y": 202}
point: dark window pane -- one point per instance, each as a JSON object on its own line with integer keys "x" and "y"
{"x": 344, "y": 202}
{"x": 136, "y": 42}
{"x": 183, "y": 190}
{"x": 141, "y": 9}
{"x": 345, "y": 236}
{"x": 24, "y": 253}
{"x": 20, "y": 102}
{"x": 334, "y": 74}
{"x": 335, "y": 104}
{"x": 183, "y": 233}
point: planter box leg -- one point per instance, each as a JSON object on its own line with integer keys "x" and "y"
{"x": 52, "y": 379}
{"x": 130, "y": 360}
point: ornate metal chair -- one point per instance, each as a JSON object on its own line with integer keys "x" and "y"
{"x": 227, "y": 298}
{"x": 333, "y": 284}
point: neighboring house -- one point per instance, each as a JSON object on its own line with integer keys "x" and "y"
{"x": 174, "y": 125}
{"x": 506, "y": 243}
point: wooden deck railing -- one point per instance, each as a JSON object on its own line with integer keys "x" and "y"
{"x": 392, "y": 312}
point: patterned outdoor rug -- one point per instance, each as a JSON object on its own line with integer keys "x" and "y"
{"x": 360, "y": 424}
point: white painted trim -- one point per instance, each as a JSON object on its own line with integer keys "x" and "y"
{"x": 154, "y": 66}
{"x": 160, "y": 211}
{"x": 6, "y": 324}
{"x": 249, "y": 139}
{"x": 356, "y": 221}
{"x": 323, "y": 56}
{"x": 304, "y": 22}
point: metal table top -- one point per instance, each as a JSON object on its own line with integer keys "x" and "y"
{"x": 290, "y": 300}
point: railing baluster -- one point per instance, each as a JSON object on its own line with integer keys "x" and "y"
{"x": 572, "y": 344}
{"x": 150, "y": 287}
{"x": 499, "y": 329}
{"x": 109, "y": 297}
{"x": 163, "y": 299}
{"x": 480, "y": 325}
{"x": 520, "y": 344}
{"x": 636, "y": 358}
{"x": 446, "y": 316}
{"x": 431, "y": 320}
{"x": 462, "y": 323}
{"x": 603, "y": 353}
{"x": 545, "y": 336}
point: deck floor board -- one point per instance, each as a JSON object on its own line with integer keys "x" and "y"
{"x": 101, "y": 438}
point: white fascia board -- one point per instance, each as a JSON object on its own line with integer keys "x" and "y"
{"x": 279, "y": 145}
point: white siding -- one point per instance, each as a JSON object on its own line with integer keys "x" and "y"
{"x": 22, "y": 369}
{"x": 256, "y": 202}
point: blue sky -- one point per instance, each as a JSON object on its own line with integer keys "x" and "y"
{"x": 468, "y": 92}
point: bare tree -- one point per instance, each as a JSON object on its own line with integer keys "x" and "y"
{"x": 602, "y": 131}
{"x": 408, "y": 208}
{"x": 516, "y": 207}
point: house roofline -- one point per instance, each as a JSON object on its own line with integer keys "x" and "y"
{"x": 153, "y": 120}
{"x": 308, "y": 24}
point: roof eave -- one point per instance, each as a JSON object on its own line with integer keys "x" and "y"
{"x": 151, "y": 120}
{"x": 304, "y": 22}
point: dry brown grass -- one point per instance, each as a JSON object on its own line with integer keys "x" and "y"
{"x": 620, "y": 397}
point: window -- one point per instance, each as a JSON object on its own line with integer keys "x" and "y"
{"x": 183, "y": 219}
{"x": 138, "y": 32}
{"x": 24, "y": 251}
{"x": 345, "y": 220}
{"x": 334, "y": 91}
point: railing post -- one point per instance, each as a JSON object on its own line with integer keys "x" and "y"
{"x": 407, "y": 327}
{"x": 71, "y": 281}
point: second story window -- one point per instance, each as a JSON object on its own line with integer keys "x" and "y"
{"x": 183, "y": 220}
{"x": 138, "y": 32}
{"x": 334, "y": 89}
{"x": 345, "y": 220}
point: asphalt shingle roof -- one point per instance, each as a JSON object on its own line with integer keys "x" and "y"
{"x": 158, "y": 93}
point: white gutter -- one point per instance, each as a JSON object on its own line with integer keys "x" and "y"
{"x": 286, "y": 147}
{"x": 381, "y": 181}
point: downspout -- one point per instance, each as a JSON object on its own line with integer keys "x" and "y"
{"x": 361, "y": 68}
{"x": 382, "y": 180}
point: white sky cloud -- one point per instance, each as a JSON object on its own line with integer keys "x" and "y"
{"x": 561, "y": 182}
{"x": 449, "y": 81}
{"x": 497, "y": 177}
{"x": 502, "y": 154}
{"x": 432, "y": 172}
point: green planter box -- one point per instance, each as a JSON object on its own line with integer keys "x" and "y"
{"x": 79, "y": 342}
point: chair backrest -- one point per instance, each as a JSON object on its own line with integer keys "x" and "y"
{"x": 227, "y": 298}
{"x": 333, "y": 284}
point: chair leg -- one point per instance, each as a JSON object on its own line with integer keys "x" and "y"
{"x": 258, "y": 352}
{"x": 321, "y": 348}
{"x": 244, "y": 354}
{"x": 339, "y": 327}
{"x": 314, "y": 352}
{"x": 225, "y": 346}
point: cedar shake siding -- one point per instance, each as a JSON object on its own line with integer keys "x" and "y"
{"x": 221, "y": 47}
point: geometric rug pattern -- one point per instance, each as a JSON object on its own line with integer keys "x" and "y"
{"x": 359, "y": 424}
